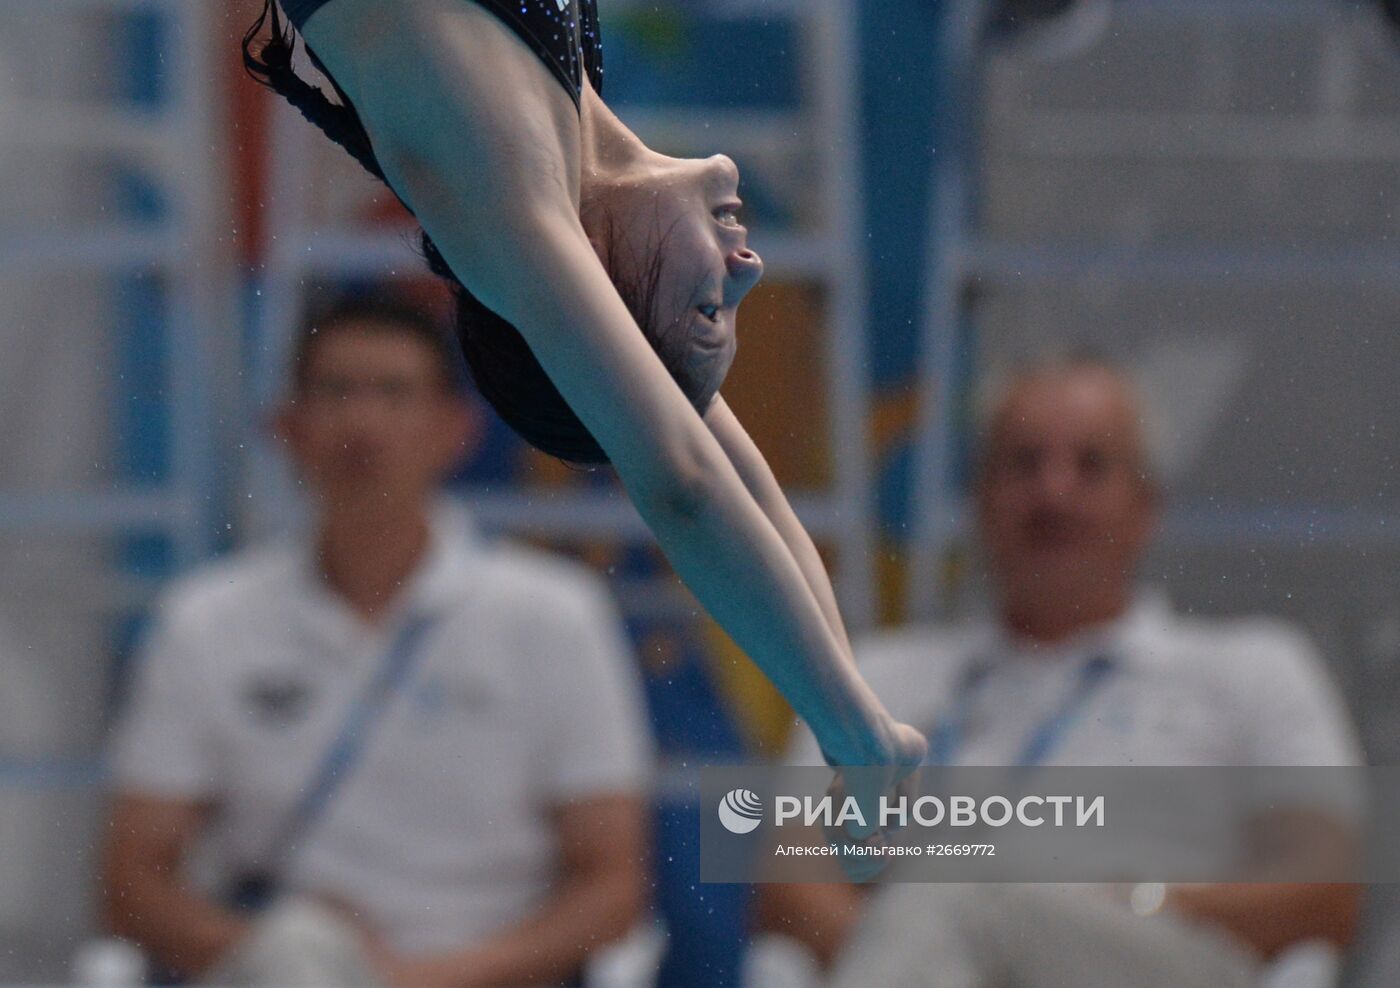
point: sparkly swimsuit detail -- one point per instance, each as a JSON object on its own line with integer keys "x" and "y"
{"x": 563, "y": 33}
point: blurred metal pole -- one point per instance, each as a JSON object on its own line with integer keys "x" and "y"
{"x": 199, "y": 302}
{"x": 935, "y": 508}
{"x": 832, "y": 64}
{"x": 266, "y": 488}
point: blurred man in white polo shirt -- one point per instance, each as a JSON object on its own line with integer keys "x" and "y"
{"x": 426, "y": 755}
{"x": 1079, "y": 667}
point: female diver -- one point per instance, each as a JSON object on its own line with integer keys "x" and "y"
{"x": 596, "y": 284}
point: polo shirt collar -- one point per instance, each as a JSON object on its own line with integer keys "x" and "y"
{"x": 1132, "y": 638}
{"x": 436, "y": 583}
{"x": 453, "y": 542}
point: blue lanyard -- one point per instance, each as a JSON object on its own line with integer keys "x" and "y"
{"x": 344, "y": 751}
{"x": 949, "y": 735}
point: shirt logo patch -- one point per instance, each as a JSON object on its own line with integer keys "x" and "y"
{"x": 440, "y": 696}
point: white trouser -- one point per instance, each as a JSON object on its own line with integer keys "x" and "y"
{"x": 1031, "y": 936}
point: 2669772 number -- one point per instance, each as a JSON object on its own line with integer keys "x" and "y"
{"x": 961, "y": 850}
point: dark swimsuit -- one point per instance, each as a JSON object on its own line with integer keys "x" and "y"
{"x": 563, "y": 33}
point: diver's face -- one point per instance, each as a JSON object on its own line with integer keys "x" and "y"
{"x": 687, "y": 210}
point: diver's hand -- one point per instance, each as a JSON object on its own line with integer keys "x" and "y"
{"x": 889, "y": 769}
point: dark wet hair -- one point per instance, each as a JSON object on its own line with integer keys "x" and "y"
{"x": 502, "y": 365}
{"x": 387, "y": 314}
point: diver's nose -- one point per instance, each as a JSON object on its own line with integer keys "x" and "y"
{"x": 727, "y": 171}
{"x": 745, "y": 269}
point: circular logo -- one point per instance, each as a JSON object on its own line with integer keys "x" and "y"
{"x": 741, "y": 811}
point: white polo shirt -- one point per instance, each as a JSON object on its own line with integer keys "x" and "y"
{"x": 524, "y": 696}
{"x": 1183, "y": 691}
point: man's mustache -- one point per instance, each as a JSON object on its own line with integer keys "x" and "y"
{"x": 1049, "y": 523}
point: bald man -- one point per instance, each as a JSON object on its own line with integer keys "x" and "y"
{"x": 1066, "y": 504}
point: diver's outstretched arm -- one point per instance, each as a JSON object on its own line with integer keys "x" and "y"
{"x": 758, "y": 478}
